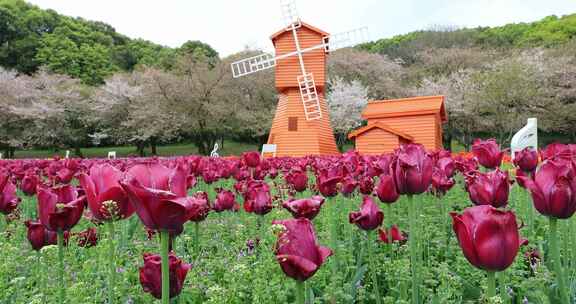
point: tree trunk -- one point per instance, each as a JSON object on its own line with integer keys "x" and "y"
{"x": 447, "y": 141}
{"x": 78, "y": 152}
{"x": 153, "y": 146}
{"x": 11, "y": 151}
{"x": 140, "y": 149}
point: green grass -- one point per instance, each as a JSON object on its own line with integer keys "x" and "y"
{"x": 230, "y": 148}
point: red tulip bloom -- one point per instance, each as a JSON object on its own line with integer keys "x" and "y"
{"x": 466, "y": 165}
{"x": 257, "y": 197}
{"x": 8, "y": 199}
{"x": 412, "y": 169}
{"x": 366, "y": 185}
{"x": 348, "y": 185}
{"x": 447, "y": 165}
{"x": 225, "y": 200}
{"x": 158, "y": 209}
{"x": 59, "y": 208}
{"x": 39, "y": 236}
{"x": 392, "y": 235}
{"x": 441, "y": 183}
{"x": 488, "y": 153}
{"x": 200, "y": 207}
{"x": 553, "y": 189}
{"x": 488, "y": 236}
{"x": 158, "y": 177}
{"x": 68, "y": 171}
{"x": 557, "y": 152}
{"x": 327, "y": 182}
{"x": 29, "y": 183}
{"x": 151, "y": 274}
{"x": 297, "y": 250}
{"x": 369, "y": 217}
{"x": 298, "y": 179}
{"x": 306, "y": 207}
{"x": 526, "y": 159}
{"x": 87, "y": 238}
{"x": 491, "y": 188}
{"x": 101, "y": 187}
{"x": 386, "y": 189}
{"x": 251, "y": 159}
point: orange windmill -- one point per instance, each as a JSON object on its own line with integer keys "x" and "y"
{"x": 301, "y": 124}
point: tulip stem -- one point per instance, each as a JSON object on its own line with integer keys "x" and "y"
{"x": 196, "y": 237}
{"x": 300, "y": 292}
{"x": 491, "y": 284}
{"x": 373, "y": 268}
{"x": 556, "y": 262}
{"x": 413, "y": 247}
{"x": 165, "y": 243}
{"x": 62, "y": 288}
{"x": 112, "y": 261}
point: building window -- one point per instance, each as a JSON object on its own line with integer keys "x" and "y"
{"x": 292, "y": 123}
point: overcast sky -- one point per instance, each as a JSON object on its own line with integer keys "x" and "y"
{"x": 231, "y": 25}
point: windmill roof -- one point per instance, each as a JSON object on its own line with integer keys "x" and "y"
{"x": 382, "y": 126}
{"x": 406, "y": 107}
{"x": 306, "y": 25}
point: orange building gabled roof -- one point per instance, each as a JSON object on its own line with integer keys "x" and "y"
{"x": 306, "y": 25}
{"x": 406, "y": 107}
{"x": 379, "y": 125}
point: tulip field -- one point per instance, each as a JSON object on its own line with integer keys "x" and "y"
{"x": 412, "y": 226}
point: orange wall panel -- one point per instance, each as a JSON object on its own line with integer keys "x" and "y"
{"x": 288, "y": 69}
{"x": 423, "y": 128}
{"x": 376, "y": 142}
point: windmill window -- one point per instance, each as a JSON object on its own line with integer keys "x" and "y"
{"x": 292, "y": 123}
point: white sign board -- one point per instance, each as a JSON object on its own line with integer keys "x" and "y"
{"x": 269, "y": 149}
{"x": 67, "y": 153}
{"x": 526, "y": 137}
{"x": 111, "y": 154}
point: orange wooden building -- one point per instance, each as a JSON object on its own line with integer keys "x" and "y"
{"x": 291, "y": 132}
{"x": 394, "y": 122}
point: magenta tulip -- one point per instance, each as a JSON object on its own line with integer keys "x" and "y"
{"x": 102, "y": 189}
{"x": 526, "y": 159}
{"x": 488, "y": 236}
{"x": 151, "y": 274}
{"x": 8, "y": 199}
{"x": 306, "y": 207}
{"x": 225, "y": 200}
{"x": 297, "y": 250}
{"x": 29, "y": 183}
{"x": 491, "y": 188}
{"x": 392, "y": 235}
{"x": 366, "y": 185}
{"x": 158, "y": 209}
{"x": 369, "y": 217}
{"x": 87, "y": 238}
{"x": 441, "y": 183}
{"x": 39, "y": 236}
{"x": 298, "y": 179}
{"x": 257, "y": 198}
{"x": 251, "y": 159}
{"x": 348, "y": 185}
{"x": 488, "y": 153}
{"x": 412, "y": 169}
{"x": 386, "y": 189}
{"x": 59, "y": 208}
{"x": 553, "y": 189}
{"x": 200, "y": 207}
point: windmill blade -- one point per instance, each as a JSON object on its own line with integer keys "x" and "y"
{"x": 309, "y": 97}
{"x": 252, "y": 65}
{"x": 346, "y": 39}
{"x": 290, "y": 13}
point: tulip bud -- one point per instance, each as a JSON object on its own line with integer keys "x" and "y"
{"x": 369, "y": 217}
{"x": 151, "y": 274}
